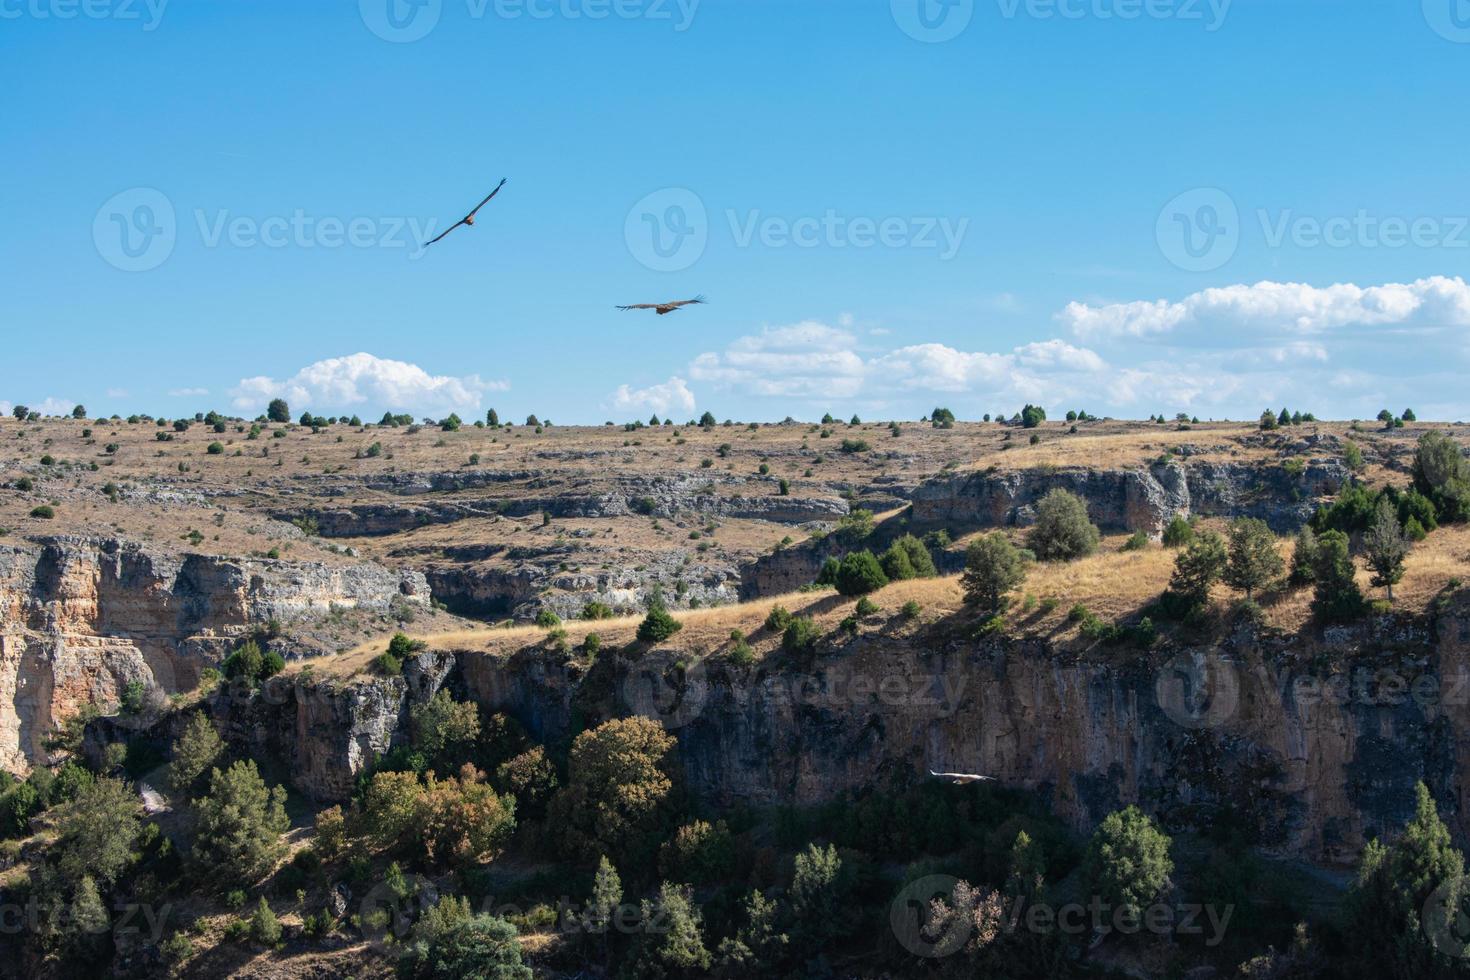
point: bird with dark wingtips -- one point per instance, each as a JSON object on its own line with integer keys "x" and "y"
{"x": 665, "y": 308}
{"x": 961, "y": 778}
{"x": 469, "y": 220}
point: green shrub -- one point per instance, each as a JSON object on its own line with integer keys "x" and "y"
{"x": 860, "y": 573}
{"x": 658, "y": 625}
{"x": 44, "y": 512}
{"x": 866, "y": 607}
{"x": 546, "y": 619}
{"x": 800, "y": 636}
{"x": 911, "y": 609}
{"x": 1062, "y": 531}
{"x": 215, "y": 448}
{"x": 1137, "y": 541}
{"x": 1178, "y": 532}
{"x": 778, "y": 619}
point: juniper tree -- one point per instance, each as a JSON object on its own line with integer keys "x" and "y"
{"x": 1253, "y": 560}
{"x": 1386, "y": 546}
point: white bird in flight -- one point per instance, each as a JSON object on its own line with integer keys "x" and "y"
{"x": 961, "y": 778}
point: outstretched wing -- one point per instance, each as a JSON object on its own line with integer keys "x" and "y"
{"x": 640, "y": 306}
{"x": 696, "y": 301}
{"x": 477, "y": 207}
{"x": 445, "y": 232}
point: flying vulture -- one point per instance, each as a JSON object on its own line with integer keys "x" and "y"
{"x": 663, "y": 308}
{"x": 469, "y": 219}
{"x": 961, "y": 778}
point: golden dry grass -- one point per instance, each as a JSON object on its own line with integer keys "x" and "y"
{"x": 1113, "y": 584}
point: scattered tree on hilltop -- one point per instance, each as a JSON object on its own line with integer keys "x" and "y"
{"x": 1062, "y": 531}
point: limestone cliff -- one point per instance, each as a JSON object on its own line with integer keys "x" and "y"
{"x": 81, "y": 618}
{"x": 1142, "y": 498}
{"x": 1316, "y": 740}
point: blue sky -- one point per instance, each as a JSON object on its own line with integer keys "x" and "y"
{"x": 882, "y": 219}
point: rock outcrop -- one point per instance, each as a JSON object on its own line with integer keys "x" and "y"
{"x": 1317, "y": 762}
{"x": 1143, "y": 499}
{"x": 82, "y": 618}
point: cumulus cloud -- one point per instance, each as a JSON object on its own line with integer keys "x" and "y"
{"x": 1291, "y": 307}
{"x": 672, "y": 394}
{"x": 803, "y": 360}
{"x": 362, "y": 380}
{"x": 813, "y": 360}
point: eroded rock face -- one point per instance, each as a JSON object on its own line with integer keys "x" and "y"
{"x": 82, "y": 618}
{"x": 1136, "y": 499}
{"x": 1317, "y": 762}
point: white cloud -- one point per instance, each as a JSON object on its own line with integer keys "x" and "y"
{"x": 1292, "y": 307}
{"x": 6, "y": 408}
{"x": 364, "y": 380}
{"x": 188, "y": 392}
{"x": 672, "y": 394}
{"x": 812, "y": 360}
{"x": 117, "y": 393}
{"x": 803, "y": 360}
{"x": 55, "y": 406}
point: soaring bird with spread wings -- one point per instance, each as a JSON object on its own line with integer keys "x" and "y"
{"x": 664, "y": 308}
{"x": 961, "y": 778}
{"x": 469, "y": 219}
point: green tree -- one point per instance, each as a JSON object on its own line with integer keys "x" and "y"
{"x": 607, "y": 895}
{"x": 617, "y": 797}
{"x": 278, "y": 411}
{"x": 452, "y": 423}
{"x": 1127, "y": 863}
{"x": 658, "y": 625}
{"x": 699, "y": 852}
{"x": 1178, "y": 532}
{"x": 993, "y": 567}
{"x": 1337, "y": 597}
{"x": 1254, "y": 561}
{"x": 680, "y": 944}
{"x": 1304, "y": 556}
{"x": 1393, "y": 889}
{"x": 1441, "y": 474}
{"x": 1062, "y": 531}
{"x": 197, "y": 751}
{"x": 1386, "y": 546}
{"x": 707, "y": 421}
{"x": 942, "y": 418}
{"x": 1197, "y": 568}
{"x": 238, "y": 826}
{"x": 265, "y": 928}
{"x": 460, "y": 944}
{"x": 819, "y": 889}
{"x": 97, "y": 834}
{"x": 1268, "y": 420}
{"x": 860, "y": 573}
{"x": 759, "y": 946}
{"x": 896, "y": 564}
{"x": 445, "y": 729}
